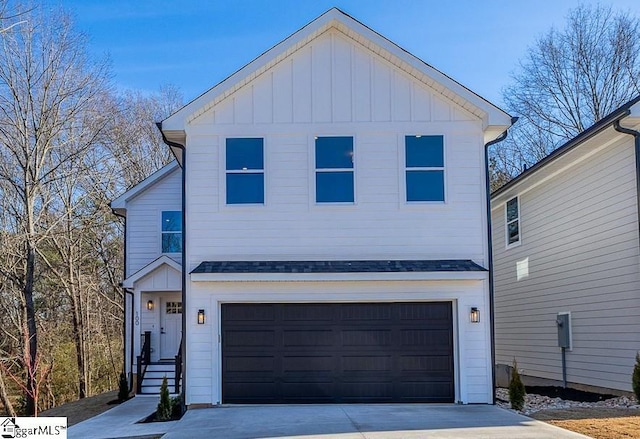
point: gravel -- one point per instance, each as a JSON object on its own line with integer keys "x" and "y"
{"x": 535, "y": 403}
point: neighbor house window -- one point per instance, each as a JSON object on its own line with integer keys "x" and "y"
{"x": 424, "y": 168}
{"x": 171, "y": 231}
{"x": 334, "y": 170}
{"x": 513, "y": 221}
{"x": 245, "y": 171}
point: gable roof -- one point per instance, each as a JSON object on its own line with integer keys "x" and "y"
{"x": 152, "y": 266}
{"x": 494, "y": 119}
{"x": 616, "y": 115}
{"x": 119, "y": 205}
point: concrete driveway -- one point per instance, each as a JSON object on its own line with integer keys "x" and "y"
{"x": 395, "y": 421}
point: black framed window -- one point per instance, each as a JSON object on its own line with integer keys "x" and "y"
{"x": 513, "y": 221}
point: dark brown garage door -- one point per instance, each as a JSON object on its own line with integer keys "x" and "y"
{"x": 337, "y": 353}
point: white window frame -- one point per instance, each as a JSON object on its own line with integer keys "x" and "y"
{"x": 162, "y": 232}
{"x": 507, "y": 222}
{"x": 225, "y": 172}
{"x": 315, "y": 170}
{"x": 403, "y": 162}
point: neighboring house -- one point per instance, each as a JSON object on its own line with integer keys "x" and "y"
{"x": 335, "y": 229}
{"x": 565, "y": 241}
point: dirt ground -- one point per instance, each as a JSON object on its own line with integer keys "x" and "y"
{"x": 599, "y": 423}
{"x": 78, "y": 411}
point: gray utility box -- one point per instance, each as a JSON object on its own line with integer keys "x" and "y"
{"x": 563, "y": 322}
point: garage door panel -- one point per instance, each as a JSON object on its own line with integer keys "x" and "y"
{"x": 308, "y": 364}
{"x": 250, "y": 339}
{"x": 307, "y": 338}
{"x": 377, "y": 352}
{"x": 426, "y": 364}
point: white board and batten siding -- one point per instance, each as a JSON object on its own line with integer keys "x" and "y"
{"x": 579, "y": 252}
{"x": 335, "y": 87}
{"x": 144, "y": 214}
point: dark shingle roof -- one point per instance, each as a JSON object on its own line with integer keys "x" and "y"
{"x": 394, "y": 266}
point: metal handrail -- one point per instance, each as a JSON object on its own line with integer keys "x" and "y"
{"x": 143, "y": 360}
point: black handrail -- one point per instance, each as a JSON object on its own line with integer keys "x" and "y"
{"x": 178, "y": 370}
{"x": 143, "y": 359}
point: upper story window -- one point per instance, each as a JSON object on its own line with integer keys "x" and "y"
{"x": 245, "y": 171}
{"x": 171, "y": 231}
{"x": 424, "y": 168}
{"x": 513, "y": 221}
{"x": 334, "y": 170}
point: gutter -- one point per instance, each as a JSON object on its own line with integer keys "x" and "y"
{"x": 590, "y": 132}
{"x": 636, "y": 136}
{"x": 183, "y": 343}
{"x": 124, "y": 319}
{"x": 487, "y": 179}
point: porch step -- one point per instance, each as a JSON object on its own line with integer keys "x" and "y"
{"x": 154, "y": 375}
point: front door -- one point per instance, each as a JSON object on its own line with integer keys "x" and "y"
{"x": 170, "y": 328}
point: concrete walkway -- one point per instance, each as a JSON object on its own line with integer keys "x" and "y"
{"x": 406, "y": 421}
{"x": 120, "y": 421}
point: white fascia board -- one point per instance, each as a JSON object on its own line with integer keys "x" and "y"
{"x": 491, "y": 115}
{"x": 150, "y": 268}
{"x": 338, "y": 277}
{"x": 120, "y": 203}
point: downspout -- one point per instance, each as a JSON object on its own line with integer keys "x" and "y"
{"x": 183, "y": 344}
{"x": 487, "y": 182}
{"x": 125, "y": 291}
{"x": 636, "y": 135}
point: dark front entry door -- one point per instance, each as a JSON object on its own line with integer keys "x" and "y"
{"x": 337, "y": 353}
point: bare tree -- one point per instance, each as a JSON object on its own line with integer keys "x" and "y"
{"x": 570, "y": 79}
{"x": 48, "y": 88}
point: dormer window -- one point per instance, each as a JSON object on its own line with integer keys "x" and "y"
{"x": 171, "y": 231}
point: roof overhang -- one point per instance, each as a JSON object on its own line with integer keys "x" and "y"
{"x": 494, "y": 120}
{"x": 119, "y": 205}
{"x": 148, "y": 269}
{"x": 332, "y": 271}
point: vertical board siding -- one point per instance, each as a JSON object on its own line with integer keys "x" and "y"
{"x": 144, "y": 218}
{"x": 579, "y": 234}
{"x": 336, "y": 80}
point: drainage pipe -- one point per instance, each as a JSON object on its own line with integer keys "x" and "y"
{"x": 487, "y": 179}
{"x": 636, "y": 135}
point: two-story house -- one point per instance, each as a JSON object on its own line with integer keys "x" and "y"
{"x": 566, "y": 251}
{"x": 335, "y": 232}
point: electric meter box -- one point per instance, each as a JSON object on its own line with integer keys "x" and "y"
{"x": 563, "y": 322}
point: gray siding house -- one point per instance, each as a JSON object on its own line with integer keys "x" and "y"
{"x": 566, "y": 241}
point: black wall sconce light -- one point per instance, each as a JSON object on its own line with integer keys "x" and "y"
{"x": 150, "y": 305}
{"x": 474, "y": 315}
{"x": 201, "y": 317}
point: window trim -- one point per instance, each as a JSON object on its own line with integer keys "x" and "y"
{"x": 507, "y": 222}
{"x": 224, "y": 172}
{"x": 313, "y": 199}
{"x": 403, "y": 175}
{"x": 162, "y": 232}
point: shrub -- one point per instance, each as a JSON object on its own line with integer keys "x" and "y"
{"x": 123, "y": 387}
{"x": 516, "y": 388}
{"x": 176, "y": 407}
{"x": 163, "y": 412}
{"x": 635, "y": 379}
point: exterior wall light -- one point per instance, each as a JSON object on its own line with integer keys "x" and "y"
{"x": 150, "y": 305}
{"x": 474, "y": 315}
{"x": 201, "y": 317}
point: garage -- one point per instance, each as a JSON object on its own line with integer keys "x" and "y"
{"x": 337, "y": 352}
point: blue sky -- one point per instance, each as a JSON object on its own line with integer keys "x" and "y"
{"x": 194, "y": 44}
